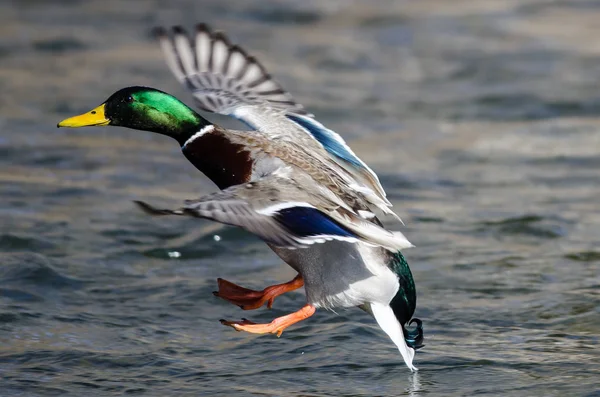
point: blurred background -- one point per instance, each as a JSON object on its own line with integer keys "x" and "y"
{"x": 480, "y": 117}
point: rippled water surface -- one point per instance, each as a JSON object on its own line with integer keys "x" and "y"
{"x": 480, "y": 117}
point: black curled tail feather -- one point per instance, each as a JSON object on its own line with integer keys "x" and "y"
{"x": 405, "y": 301}
{"x": 414, "y": 338}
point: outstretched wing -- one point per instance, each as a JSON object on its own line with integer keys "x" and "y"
{"x": 282, "y": 214}
{"x": 224, "y": 79}
{"x": 222, "y": 76}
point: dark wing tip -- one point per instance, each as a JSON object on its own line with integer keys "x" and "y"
{"x": 150, "y": 210}
{"x": 144, "y": 206}
{"x": 178, "y": 29}
{"x": 203, "y": 27}
{"x": 159, "y": 32}
{"x": 237, "y": 48}
{"x": 263, "y": 69}
{"x": 220, "y": 36}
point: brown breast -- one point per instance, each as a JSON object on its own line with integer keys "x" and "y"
{"x": 224, "y": 162}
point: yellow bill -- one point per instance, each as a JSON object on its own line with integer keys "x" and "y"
{"x": 93, "y": 117}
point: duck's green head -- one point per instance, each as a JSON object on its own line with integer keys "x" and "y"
{"x": 142, "y": 108}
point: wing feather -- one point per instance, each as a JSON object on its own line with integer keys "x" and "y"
{"x": 224, "y": 79}
{"x": 282, "y": 214}
{"x": 234, "y": 73}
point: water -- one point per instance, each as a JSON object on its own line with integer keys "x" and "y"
{"x": 480, "y": 118}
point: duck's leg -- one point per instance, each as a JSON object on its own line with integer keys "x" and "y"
{"x": 249, "y": 299}
{"x": 274, "y": 327}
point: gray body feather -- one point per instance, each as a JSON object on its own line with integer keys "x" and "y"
{"x": 338, "y": 274}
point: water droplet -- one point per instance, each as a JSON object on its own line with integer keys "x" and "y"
{"x": 174, "y": 254}
{"x": 216, "y": 237}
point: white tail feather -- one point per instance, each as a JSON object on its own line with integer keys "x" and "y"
{"x": 380, "y": 202}
{"x": 371, "y": 233}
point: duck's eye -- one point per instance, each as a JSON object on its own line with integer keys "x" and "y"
{"x": 129, "y": 99}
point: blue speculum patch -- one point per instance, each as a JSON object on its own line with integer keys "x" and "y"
{"x": 327, "y": 139}
{"x": 306, "y": 222}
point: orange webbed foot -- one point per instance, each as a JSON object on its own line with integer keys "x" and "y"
{"x": 277, "y": 326}
{"x": 248, "y": 299}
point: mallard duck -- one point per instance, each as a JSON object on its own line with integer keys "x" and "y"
{"x": 291, "y": 181}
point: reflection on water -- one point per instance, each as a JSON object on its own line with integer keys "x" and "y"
{"x": 414, "y": 386}
{"x": 480, "y": 118}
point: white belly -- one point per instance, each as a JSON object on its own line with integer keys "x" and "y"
{"x": 338, "y": 274}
